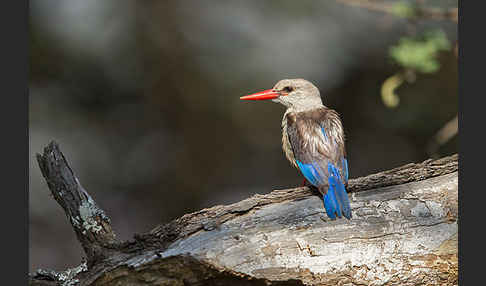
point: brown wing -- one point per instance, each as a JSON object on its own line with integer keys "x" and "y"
{"x": 317, "y": 141}
{"x": 317, "y": 138}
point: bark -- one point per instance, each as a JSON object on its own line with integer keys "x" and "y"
{"x": 90, "y": 223}
{"x": 403, "y": 232}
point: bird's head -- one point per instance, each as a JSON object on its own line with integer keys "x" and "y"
{"x": 298, "y": 94}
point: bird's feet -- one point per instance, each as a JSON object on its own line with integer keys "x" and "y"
{"x": 305, "y": 183}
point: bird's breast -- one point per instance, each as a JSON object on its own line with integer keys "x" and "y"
{"x": 287, "y": 148}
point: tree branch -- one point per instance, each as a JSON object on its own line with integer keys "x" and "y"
{"x": 403, "y": 231}
{"x": 91, "y": 225}
{"x": 420, "y": 11}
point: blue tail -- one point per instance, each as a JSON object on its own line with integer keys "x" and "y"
{"x": 336, "y": 201}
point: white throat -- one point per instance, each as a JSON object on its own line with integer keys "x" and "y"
{"x": 306, "y": 104}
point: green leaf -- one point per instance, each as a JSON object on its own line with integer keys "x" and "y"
{"x": 420, "y": 53}
{"x": 403, "y": 10}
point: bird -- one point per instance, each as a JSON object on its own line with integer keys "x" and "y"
{"x": 313, "y": 141}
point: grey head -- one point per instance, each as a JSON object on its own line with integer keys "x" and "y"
{"x": 297, "y": 94}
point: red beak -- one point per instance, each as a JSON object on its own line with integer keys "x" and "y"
{"x": 262, "y": 95}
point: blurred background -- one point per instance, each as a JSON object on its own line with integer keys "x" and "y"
{"x": 143, "y": 98}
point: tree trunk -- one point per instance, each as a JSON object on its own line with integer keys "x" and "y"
{"x": 403, "y": 232}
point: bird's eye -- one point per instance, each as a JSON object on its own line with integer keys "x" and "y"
{"x": 288, "y": 89}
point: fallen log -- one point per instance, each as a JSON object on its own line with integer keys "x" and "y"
{"x": 403, "y": 232}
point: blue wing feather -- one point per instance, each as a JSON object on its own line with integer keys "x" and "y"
{"x": 311, "y": 173}
{"x": 340, "y": 190}
{"x": 330, "y": 203}
{"x": 336, "y": 200}
{"x": 324, "y": 133}
{"x": 345, "y": 168}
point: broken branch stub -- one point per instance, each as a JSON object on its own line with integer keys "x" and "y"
{"x": 90, "y": 223}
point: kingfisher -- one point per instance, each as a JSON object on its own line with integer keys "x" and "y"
{"x": 313, "y": 141}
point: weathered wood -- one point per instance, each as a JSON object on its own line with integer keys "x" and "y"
{"x": 407, "y": 173}
{"x": 403, "y": 232}
{"x": 91, "y": 225}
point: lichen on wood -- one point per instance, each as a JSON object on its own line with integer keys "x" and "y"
{"x": 89, "y": 221}
{"x": 403, "y": 232}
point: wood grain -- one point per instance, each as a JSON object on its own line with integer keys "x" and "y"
{"x": 403, "y": 232}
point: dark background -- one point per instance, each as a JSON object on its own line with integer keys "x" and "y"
{"x": 143, "y": 97}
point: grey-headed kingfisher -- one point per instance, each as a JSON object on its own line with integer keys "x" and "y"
{"x": 313, "y": 141}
